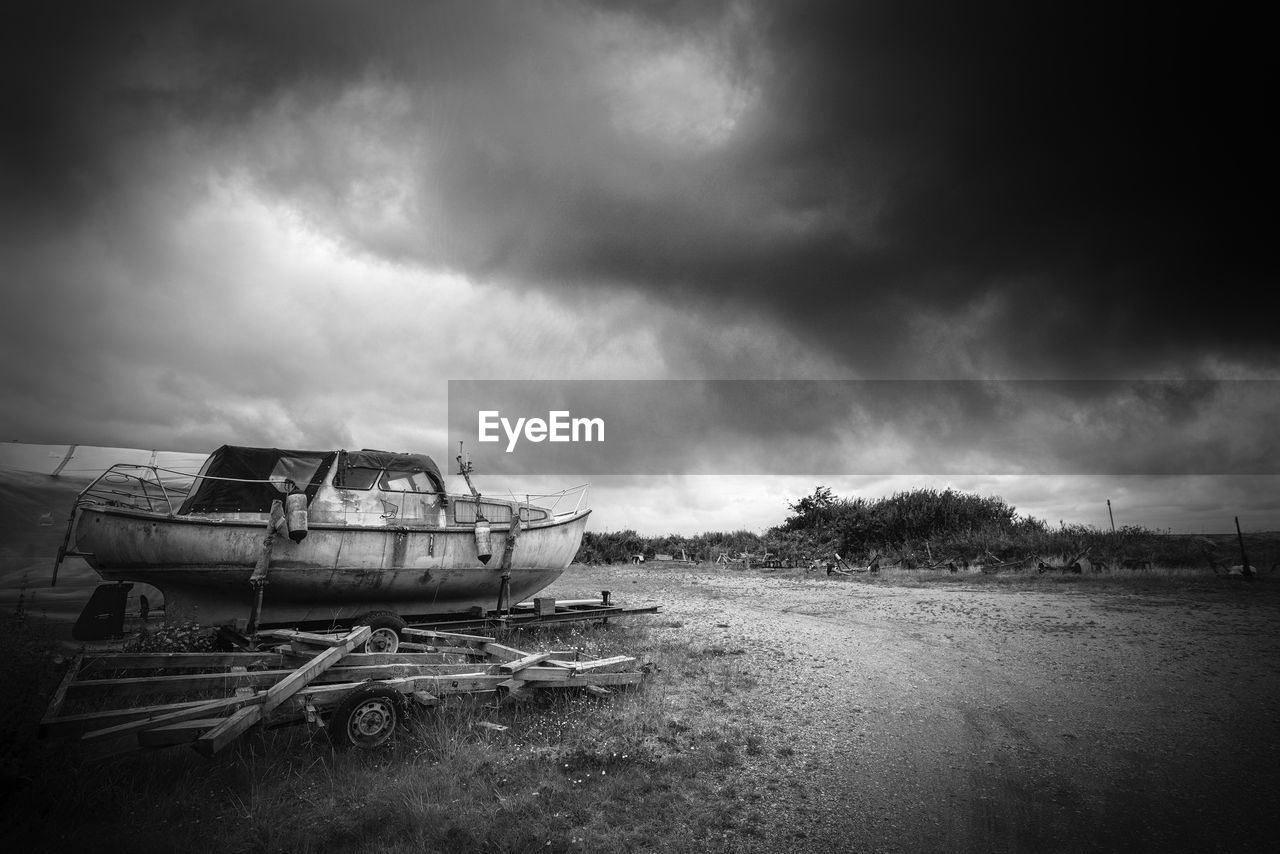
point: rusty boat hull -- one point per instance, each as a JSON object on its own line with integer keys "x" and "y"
{"x": 335, "y": 574}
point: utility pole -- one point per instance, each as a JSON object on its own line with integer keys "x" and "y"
{"x": 1112, "y": 515}
{"x": 1244, "y": 560}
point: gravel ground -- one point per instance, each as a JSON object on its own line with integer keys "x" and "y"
{"x": 1036, "y": 717}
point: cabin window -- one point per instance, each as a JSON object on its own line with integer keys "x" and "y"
{"x": 403, "y": 481}
{"x": 388, "y": 472}
{"x": 292, "y": 473}
{"x": 354, "y": 477}
{"x": 464, "y": 510}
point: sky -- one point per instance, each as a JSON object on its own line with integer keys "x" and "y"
{"x": 292, "y": 224}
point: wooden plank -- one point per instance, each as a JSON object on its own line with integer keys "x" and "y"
{"x": 465, "y": 651}
{"x": 449, "y": 636}
{"x": 502, "y": 652}
{"x": 313, "y": 638}
{"x": 564, "y": 678}
{"x": 179, "y": 733}
{"x": 597, "y": 664}
{"x": 300, "y": 649}
{"x": 463, "y": 683}
{"x": 342, "y": 673}
{"x": 229, "y": 730}
{"x": 366, "y": 659}
{"x": 298, "y": 679}
{"x": 521, "y": 663}
{"x": 447, "y": 685}
{"x": 588, "y": 679}
{"x": 60, "y": 695}
{"x": 180, "y": 660}
{"x": 602, "y": 664}
{"x": 133, "y": 686}
{"x": 177, "y": 684}
{"x": 199, "y": 710}
{"x": 73, "y": 725}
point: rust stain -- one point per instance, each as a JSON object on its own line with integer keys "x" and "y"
{"x": 399, "y": 548}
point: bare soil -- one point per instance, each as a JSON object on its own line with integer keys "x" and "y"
{"x": 1032, "y": 716}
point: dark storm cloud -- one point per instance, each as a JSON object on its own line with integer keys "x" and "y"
{"x": 870, "y": 174}
{"x": 1101, "y": 172}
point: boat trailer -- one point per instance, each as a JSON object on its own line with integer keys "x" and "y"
{"x": 305, "y": 678}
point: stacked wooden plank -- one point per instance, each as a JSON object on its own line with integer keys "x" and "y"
{"x": 304, "y": 677}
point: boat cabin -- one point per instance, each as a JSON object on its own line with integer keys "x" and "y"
{"x": 364, "y": 488}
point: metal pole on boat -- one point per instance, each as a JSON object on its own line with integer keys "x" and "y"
{"x": 504, "y": 591}
{"x": 504, "y": 594}
{"x": 481, "y": 524}
{"x": 465, "y": 468}
{"x": 258, "y": 580}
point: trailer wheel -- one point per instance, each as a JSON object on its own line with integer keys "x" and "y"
{"x": 384, "y": 633}
{"x": 367, "y": 717}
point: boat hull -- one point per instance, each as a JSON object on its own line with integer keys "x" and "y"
{"x": 336, "y": 573}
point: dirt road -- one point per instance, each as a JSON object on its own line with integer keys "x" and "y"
{"x": 1031, "y": 717}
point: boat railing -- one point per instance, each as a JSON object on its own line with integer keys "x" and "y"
{"x": 148, "y": 488}
{"x": 139, "y": 487}
{"x": 576, "y": 494}
{"x": 154, "y": 489}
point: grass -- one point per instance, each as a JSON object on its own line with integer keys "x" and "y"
{"x": 1153, "y": 579}
{"x": 571, "y": 773}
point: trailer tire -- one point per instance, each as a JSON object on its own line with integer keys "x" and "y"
{"x": 384, "y": 631}
{"x": 367, "y": 717}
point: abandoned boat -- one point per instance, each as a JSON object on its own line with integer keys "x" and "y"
{"x": 360, "y": 532}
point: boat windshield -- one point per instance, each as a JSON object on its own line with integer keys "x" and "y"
{"x": 389, "y": 472}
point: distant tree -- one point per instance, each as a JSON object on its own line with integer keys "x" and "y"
{"x": 813, "y": 511}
